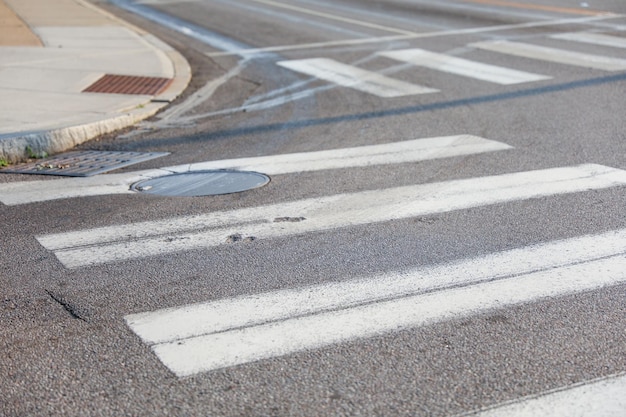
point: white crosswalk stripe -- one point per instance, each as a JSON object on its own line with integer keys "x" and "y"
{"x": 205, "y": 337}
{"x": 354, "y": 77}
{"x": 559, "y": 56}
{"x": 598, "y": 398}
{"x": 463, "y": 67}
{"x": 118, "y": 243}
{"x": 592, "y": 38}
{"x": 390, "y": 153}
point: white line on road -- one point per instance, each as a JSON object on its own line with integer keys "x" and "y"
{"x": 354, "y": 77}
{"x": 208, "y": 336}
{"x": 333, "y": 17}
{"x": 463, "y": 67}
{"x": 605, "y": 397}
{"x": 559, "y": 56}
{"x": 593, "y": 38}
{"x": 383, "y": 154}
{"x": 397, "y": 152}
{"x": 123, "y": 242}
{"x": 26, "y": 192}
{"x": 384, "y": 39}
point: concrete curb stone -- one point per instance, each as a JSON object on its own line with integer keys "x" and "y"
{"x": 17, "y": 148}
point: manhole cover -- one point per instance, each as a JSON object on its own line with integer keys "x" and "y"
{"x": 82, "y": 164}
{"x": 202, "y": 183}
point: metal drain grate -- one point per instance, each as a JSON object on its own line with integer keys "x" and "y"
{"x": 82, "y": 164}
{"x": 128, "y": 84}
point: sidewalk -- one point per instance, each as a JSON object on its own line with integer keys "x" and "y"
{"x": 51, "y": 51}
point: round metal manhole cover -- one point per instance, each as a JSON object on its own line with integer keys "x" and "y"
{"x": 202, "y": 183}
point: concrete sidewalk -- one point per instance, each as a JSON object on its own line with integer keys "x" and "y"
{"x": 51, "y": 51}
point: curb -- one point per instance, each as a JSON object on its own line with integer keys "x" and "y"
{"x": 18, "y": 148}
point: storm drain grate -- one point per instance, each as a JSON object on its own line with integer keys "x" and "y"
{"x": 82, "y": 164}
{"x": 129, "y": 84}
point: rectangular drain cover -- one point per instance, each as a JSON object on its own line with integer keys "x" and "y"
{"x": 129, "y": 84}
{"x": 82, "y": 164}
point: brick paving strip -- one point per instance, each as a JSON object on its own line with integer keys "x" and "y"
{"x": 13, "y": 30}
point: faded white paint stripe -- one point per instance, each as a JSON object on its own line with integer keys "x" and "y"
{"x": 559, "y": 56}
{"x": 194, "y": 320}
{"x": 604, "y": 397}
{"x": 593, "y": 38}
{"x": 242, "y": 345}
{"x": 354, "y": 77}
{"x": 26, "y": 192}
{"x": 97, "y": 246}
{"x": 424, "y": 35}
{"x": 463, "y": 67}
{"x": 384, "y": 154}
{"x": 335, "y": 17}
{"x": 397, "y": 152}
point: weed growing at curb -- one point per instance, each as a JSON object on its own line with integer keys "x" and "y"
{"x": 35, "y": 155}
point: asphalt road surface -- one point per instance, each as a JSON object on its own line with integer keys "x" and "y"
{"x": 444, "y": 232}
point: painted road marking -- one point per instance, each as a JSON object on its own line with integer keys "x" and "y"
{"x": 593, "y": 38}
{"x": 26, "y": 192}
{"x": 356, "y": 78}
{"x": 391, "y": 153}
{"x": 602, "y": 397}
{"x": 463, "y": 67}
{"x": 385, "y": 39}
{"x": 384, "y": 154}
{"x": 132, "y": 241}
{"x": 552, "y": 9}
{"x": 224, "y": 333}
{"x": 329, "y": 16}
{"x": 559, "y": 56}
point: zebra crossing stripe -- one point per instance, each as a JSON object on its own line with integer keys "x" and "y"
{"x": 208, "y": 336}
{"x": 355, "y": 78}
{"x": 132, "y": 241}
{"x": 463, "y": 67}
{"x": 592, "y": 38}
{"x": 383, "y": 154}
{"x": 27, "y": 192}
{"x": 389, "y": 153}
{"x": 559, "y": 56}
{"x": 602, "y": 397}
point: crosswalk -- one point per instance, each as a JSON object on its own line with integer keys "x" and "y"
{"x": 219, "y": 334}
{"x": 204, "y": 337}
{"x": 207, "y": 336}
{"x": 383, "y": 86}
